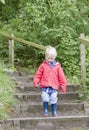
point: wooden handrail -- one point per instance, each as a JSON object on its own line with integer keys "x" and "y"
{"x": 23, "y": 41}
{"x": 84, "y": 41}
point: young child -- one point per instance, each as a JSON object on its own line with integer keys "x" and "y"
{"x": 50, "y": 77}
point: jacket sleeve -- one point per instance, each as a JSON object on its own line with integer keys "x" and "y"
{"x": 37, "y": 76}
{"x": 62, "y": 79}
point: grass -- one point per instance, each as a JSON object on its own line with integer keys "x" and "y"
{"x": 6, "y": 92}
{"x": 73, "y": 80}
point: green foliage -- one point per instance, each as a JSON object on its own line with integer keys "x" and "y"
{"x": 8, "y": 9}
{"x": 2, "y": 1}
{"x": 6, "y": 92}
{"x": 56, "y": 22}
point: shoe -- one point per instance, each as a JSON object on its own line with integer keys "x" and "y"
{"x": 45, "y": 114}
{"x": 54, "y": 114}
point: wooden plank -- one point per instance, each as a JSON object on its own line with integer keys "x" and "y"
{"x": 82, "y": 62}
{"x": 23, "y": 41}
{"x": 84, "y": 40}
{"x": 11, "y": 52}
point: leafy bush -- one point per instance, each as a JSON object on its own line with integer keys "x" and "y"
{"x": 6, "y": 92}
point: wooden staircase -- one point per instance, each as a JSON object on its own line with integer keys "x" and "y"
{"x": 27, "y": 111}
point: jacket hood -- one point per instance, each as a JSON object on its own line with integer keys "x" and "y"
{"x": 46, "y": 62}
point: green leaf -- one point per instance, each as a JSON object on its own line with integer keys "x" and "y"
{"x": 2, "y": 1}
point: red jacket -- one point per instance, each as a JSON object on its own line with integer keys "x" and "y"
{"x": 47, "y": 76}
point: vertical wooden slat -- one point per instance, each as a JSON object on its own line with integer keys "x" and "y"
{"x": 11, "y": 52}
{"x": 83, "y": 62}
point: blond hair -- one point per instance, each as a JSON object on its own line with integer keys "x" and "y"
{"x": 51, "y": 51}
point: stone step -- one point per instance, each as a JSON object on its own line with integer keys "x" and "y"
{"x": 41, "y": 114}
{"x": 2, "y": 125}
{"x": 21, "y": 79}
{"x": 28, "y": 87}
{"x": 22, "y": 102}
{"x": 34, "y": 96}
{"x": 60, "y": 106}
{"x": 31, "y": 108}
{"x": 20, "y": 74}
{"x": 27, "y": 112}
{"x": 49, "y": 123}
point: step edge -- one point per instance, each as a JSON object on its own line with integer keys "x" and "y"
{"x": 38, "y": 93}
{"x": 45, "y": 118}
{"x": 49, "y": 104}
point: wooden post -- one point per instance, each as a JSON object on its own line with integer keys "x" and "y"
{"x": 11, "y": 52}
{"x": 83, "y": 64}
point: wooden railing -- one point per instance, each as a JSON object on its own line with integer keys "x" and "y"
{"x": 11, "y": 39}
{"x": 83, "y": 42}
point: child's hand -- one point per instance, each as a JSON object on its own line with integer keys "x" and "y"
{"x": 63, "y": 89}
{"x": 37, "y": 86}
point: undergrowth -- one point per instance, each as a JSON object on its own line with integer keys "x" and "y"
{"x": 6, "y": 92}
